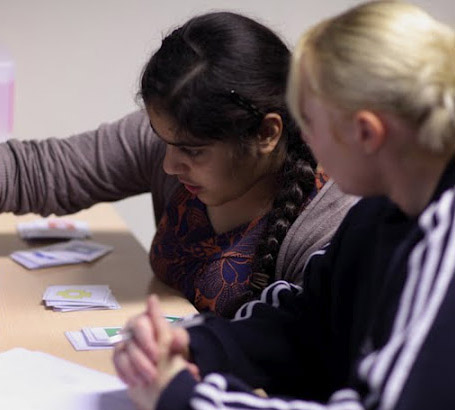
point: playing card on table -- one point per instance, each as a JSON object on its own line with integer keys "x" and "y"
{"x": 38, "y": 258}
{"x": 74, "y": 251}
{"x": 79, "y": 297}
{"x": 94, "y": 338}
{"x": 100, "y": 336}
{"x": 79, "y": 342}
{"x": 84, "y": 251}
{"x": 53, "y": 228}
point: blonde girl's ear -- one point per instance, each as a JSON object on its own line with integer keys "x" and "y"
{"x": 370, "y": 131}
{"x": 270, "y": 132}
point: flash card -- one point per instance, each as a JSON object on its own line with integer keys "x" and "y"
{"x": 46, "y": 228}
{"x": 95, "y": 338}
{"x": 70, "y": 252}
{"x": 69, "y": 298}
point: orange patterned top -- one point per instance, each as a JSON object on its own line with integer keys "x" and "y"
{"x": 211, "y": 270}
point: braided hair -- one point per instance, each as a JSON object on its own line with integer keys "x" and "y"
{"x": 297, "y": 182}
{"x": 217, "y": 76}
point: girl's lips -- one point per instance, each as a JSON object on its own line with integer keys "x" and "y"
{"x": 193, "y": 189}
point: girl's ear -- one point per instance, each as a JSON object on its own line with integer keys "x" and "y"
{"x": 370, "y": 131}
{"x": 269, "y": 133}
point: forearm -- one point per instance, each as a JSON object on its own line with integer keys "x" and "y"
{"x": 240, "y": 346}
{"x": 65, "y": 175}
{"x": 218, "y": 391}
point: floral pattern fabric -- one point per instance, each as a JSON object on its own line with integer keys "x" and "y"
{"x": 211, "y": 270}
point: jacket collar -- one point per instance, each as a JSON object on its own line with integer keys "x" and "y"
{"x": 446, "y": 181}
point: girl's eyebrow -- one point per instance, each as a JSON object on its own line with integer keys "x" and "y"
{"x": 177, "y": 144}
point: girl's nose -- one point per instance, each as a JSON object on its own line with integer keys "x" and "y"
{"x": 173, "y": 163}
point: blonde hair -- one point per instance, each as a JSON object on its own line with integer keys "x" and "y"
{"x": 385, "y": 56}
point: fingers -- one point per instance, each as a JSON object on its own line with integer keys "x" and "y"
{"x": 125, "y": 368}
{"x": 194, "y": 371}
{"x": 161, "y": 327}
{"x": 144, "y": 334}
{"x": 156, "y": 351}
{"x": 135, "y": 359}
{"x": 180, "y": 342}
{"x": 180, "y": 339}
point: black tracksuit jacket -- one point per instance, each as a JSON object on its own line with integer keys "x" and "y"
{"x": 372, "y": 327}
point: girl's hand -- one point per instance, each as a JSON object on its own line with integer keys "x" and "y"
{"x": 167, "y": 363}
{"x": 153, "y": 356}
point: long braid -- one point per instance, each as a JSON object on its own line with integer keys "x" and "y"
{"x": 297, "y": 180}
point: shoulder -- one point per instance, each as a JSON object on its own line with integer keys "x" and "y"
{"x": 440, "y": 214}
{"x": 331, "y": 215}
{"x": 312, "y": 230}
{"x": 371, "y": 211}
{"x": 133, "y": 126}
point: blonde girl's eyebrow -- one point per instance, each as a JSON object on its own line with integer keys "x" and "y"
{"x": 179, "y": 143}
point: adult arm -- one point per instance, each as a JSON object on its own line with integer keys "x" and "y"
{"x": 63, "y": 176}
{"x": 224, "y": 391}
{"x": 414, "y": 369}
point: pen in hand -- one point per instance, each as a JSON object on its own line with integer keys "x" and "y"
{"x": 126, "y": 333}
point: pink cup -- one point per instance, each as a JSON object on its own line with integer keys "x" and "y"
{"x": 6, "y": 94}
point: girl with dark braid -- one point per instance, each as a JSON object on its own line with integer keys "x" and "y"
{"x": 220, "y": 81}
{"x": 216, "y": 146}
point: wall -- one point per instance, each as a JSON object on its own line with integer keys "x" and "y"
{"x": 78, "y": 62}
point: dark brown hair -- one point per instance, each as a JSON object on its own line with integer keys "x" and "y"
{"x": 217, "y": 76}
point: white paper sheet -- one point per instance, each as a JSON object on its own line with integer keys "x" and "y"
{"x": 38, "y": 381}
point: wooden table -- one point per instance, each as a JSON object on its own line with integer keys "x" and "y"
{"x": 25, "y": 322}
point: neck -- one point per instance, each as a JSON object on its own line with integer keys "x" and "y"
{"x": 415, "y": 180}
{"x": 254, "y": 203}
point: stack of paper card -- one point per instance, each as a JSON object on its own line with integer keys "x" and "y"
{"x": 70, "y": 252}
{"x": 69, "y": 298}
{"x": 53, "y": 228}
{"x": 95, "y": 338}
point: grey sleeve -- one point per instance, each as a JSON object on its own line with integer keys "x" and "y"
{"x": 63, "y": 176}
{"x": 312, "y": 230}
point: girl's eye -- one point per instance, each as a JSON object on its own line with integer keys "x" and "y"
{"x": 191, "y": 152}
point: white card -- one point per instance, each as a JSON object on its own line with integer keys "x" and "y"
{"x": 96, "y": 336}
{"x": 79, "y": 342}
{"x": 111, "y": 303}
{"x": 53, "y": 228}
{"x": 78, "y": 294}
{"x": 86, "y": 251}
{"x": 35, "y": 259}
{"x": 70, "y": 252}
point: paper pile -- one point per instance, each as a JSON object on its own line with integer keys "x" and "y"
{"x": 69, "y": 298}
{"x": 53, "y": 228}
{"x": 39, "y": 381}
{"x": 70, "y": 252}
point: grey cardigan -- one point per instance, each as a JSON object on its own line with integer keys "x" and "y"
{"x": 124, "y": 158}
